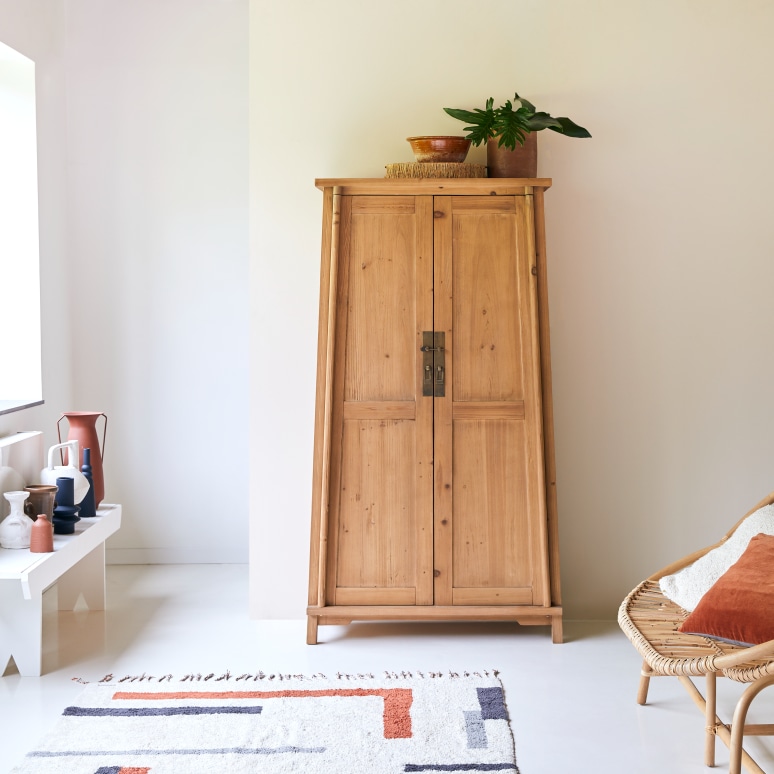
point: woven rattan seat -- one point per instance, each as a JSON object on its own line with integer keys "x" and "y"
{"x": 651, "y": 622}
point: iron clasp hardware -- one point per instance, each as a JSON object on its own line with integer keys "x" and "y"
{"x": 433, "y": 363}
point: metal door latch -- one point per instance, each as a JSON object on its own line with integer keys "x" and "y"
{"x": 433, "y": 363}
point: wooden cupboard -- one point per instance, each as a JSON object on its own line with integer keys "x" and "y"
{"x": 433, "y": 482}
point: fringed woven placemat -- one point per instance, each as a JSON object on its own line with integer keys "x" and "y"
{"x": 430, "y": 169}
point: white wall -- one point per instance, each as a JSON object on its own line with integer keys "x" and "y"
{"x": 659, "y": 249}
{"x": 158, "y": 255}
{"x": 143, "y": 111}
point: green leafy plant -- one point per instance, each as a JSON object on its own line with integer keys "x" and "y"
{"x": 510, "y": 123}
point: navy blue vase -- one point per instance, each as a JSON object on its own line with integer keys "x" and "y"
{"x": 65, "y": 510}
{"x": 88, "y": 510}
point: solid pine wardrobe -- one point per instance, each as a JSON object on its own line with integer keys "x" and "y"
{"x": 433, "y": 484}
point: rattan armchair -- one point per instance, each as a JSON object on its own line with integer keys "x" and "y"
{"x": 651, "y": 622}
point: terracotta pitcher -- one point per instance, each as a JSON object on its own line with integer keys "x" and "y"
{"x": 83, "y": 428}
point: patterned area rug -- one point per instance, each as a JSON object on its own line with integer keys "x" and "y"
{"x": 342, "y": 724}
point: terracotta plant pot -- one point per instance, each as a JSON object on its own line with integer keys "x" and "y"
{"x": 440, "y": 150}
{"x": 520, "y": 162}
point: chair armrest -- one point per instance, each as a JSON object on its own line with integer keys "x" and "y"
{"x": 754, "y": 653}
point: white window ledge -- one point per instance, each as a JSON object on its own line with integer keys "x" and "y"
{"x": 8, "y": 406}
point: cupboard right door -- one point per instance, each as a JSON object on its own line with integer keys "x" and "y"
{"x": 489, "y": 516}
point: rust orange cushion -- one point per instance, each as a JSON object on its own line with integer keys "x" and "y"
{"x": 739, "y": 607}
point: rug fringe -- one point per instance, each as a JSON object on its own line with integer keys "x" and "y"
{"x": 215, "y": 677}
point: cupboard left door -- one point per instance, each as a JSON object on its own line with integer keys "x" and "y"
{"x": 376, "y": 540}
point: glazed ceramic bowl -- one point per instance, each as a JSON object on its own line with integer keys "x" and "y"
{"x": 442, "y": 149}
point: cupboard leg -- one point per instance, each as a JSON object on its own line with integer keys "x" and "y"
{"x": 311, "y": 630}
{"x": 557, "y": 636}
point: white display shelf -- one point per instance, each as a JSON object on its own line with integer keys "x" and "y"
{"x": 77, "y": 566}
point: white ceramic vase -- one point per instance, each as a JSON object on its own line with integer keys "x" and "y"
{"x": 16, "y": 528}
{"x": 10, "y": 481}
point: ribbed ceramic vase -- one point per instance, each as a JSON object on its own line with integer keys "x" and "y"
{"x": 83, "y": 428}
{"x": 65, "y": 510}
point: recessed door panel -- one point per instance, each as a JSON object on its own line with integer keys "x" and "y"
{"x": 377, "y": 510}
{"x": 485, "y": 309}
{"x": 491, "y": 534}
{"x": 381, "y": 331}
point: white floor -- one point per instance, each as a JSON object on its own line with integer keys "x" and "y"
{"x": 572, "y": 706}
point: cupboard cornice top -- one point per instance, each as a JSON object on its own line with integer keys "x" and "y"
{"x": 377, "y": 186}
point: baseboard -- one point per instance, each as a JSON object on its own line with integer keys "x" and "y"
{"x": 174, "y": 556}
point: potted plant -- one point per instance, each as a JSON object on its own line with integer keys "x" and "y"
{"x": 511, "y": 124}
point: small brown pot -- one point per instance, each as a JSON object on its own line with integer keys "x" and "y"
{"x": 520, "y": 162}
{"x": 41, "y": 500}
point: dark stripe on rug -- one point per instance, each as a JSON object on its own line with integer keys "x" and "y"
{"x": 202, "y": 751}
{"x": 460, "y": 767}
{"x": 95, "y": 712}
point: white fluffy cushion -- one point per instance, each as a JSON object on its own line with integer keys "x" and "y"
{"x": 689, "y": 585}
